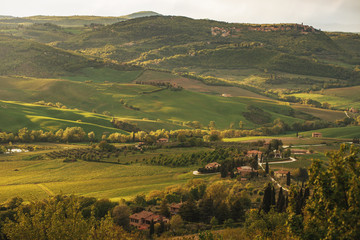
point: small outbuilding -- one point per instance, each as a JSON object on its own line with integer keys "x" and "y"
{"x": 316, "y": 135}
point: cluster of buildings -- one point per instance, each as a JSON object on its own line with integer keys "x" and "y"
{"x": 143, "y": 219}
{"x": 225, "y": 32}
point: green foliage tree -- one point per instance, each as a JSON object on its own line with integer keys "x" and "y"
{"x": 189, "y": 211}
{"x": 164, "y": 208}
{"x": 267, "y": 167}
{"x": 120, "y": 215}
{"x": 212, "y": 125}
{"x": 280, "y": 204}
{"x": 266, "y": 203}
{"x": 102, "y": 207}
{"x": 176, "y": 223}
{"x": 333, "y": 210}
{"x": 152, "y": 228}
{"x": 59, "y": 217}
{"x": 206, "y": 209}
{"x": 288, "y": 179}
{"x": 91, "y": 136}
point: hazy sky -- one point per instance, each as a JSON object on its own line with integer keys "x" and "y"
{"x": 325, "y": 14}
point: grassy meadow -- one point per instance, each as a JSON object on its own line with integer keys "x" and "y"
{"x": 36, "y": 177}
{"x": 342, "y": 98}
{"x": 144, "y": 104}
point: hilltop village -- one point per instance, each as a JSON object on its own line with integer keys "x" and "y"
{"x": 226, "y": 32}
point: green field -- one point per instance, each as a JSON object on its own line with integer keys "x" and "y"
{"x": 16, "y": 115}
{"x": 101, "y": 75}
{"x": 31, "y": 179}
{"x": 342, "y": 98}
{"x": 162, "y": 107}
{"x": 341, "y": 132}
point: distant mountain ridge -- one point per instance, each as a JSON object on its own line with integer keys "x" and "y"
{"x": 76, "y": 20}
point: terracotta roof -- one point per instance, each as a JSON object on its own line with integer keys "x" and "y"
{"x": 142, "y": 215}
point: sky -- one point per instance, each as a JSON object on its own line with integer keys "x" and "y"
{"x": 330, "y": 15}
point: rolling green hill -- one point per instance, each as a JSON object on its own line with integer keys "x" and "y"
{"x": 16, "y": 115}
{"x": 186, "y": 45}
{"x": 77, "y": 20}
{"x": 143, "y": 104}
{"x": 342, "y": 98}
{"x": 25, "y": 57}
{"x": 100, "y": 65}
{"x": 341, "y": 132}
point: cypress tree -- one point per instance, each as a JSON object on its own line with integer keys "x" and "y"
{"x": 266, "y": 203}
{"x": 267, "y": 167}
{"x": 206, "y": 209}
{"x": 288, "y": 178}
{"x": 164, "y": 210}
{"x": 280, "y": 205}
{"x": 223, "y": 171}
{"x": 152, "y": 228}
{"x": 273, "y": 196}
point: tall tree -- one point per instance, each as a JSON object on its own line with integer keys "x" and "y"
{"x": 152, "y": 228}
{"x": 266, "y": 203}
{"x": 267, "y": 167}
{"x": 206, "y": 209}
{"x": 189, "y": 211}
{"x": 164, "y": 208}
{"x": 288, "y": 179}
{"x": 273, "y": 196}
{"x": 280, "y": 205}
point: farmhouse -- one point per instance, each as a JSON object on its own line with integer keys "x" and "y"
{"x": 246, "y": 171}
{"x": 281, "y": 173}
{"x": 316, "y": 134}
{"x": 175, "y": 208}
{"x": 254, "y": 153}
{"x": 142, "y": 220}
{"x": 212, "y": 166}
{"x": 226, "y": 95}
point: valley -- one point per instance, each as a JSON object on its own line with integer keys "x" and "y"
{"x": 119, "y": 112}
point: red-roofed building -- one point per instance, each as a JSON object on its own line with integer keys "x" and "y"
{"x": 175, "y": 208}
{"x": 254, "y": 153}
{"x": 142, "y": 220}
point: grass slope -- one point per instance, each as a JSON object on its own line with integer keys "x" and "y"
{"x": 342, "y": 98}
{"x": 179, "y": 42}
{"x": 77, "y": 21}
{"x": 95, "y": 179}
{"x": 25, "y": 57}
{"x": 341, "y": 132}
{"x": 162, "y": 107}
{"x": 16, "y": 115}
